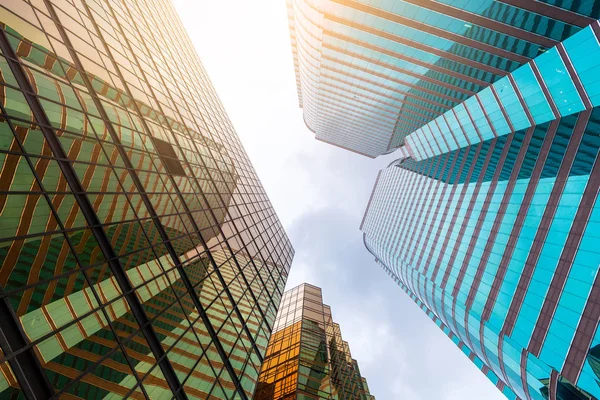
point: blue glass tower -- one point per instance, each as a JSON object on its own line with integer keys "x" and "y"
{"x": 370, "y": 72}
{"x": 489, "y": 220}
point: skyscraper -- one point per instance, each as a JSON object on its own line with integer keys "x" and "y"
{"x": 369, "y": 72}
{"x": 139, "y": 254}
{"x": 489, "y": 221}
{"x": 488, "y": 217}
{"x": 306, "y": 358}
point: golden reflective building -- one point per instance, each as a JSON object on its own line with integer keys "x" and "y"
{"x": 139, "y": 254}
{"x": 307, "y": 359}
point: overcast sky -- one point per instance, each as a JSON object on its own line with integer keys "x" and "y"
{"x": 320, "y": 193}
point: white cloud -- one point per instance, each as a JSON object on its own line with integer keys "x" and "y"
{"x": 371, "y": 338}
{"x": 401, "y": 388}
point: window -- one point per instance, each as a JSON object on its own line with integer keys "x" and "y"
{"x": 169, "y": 157}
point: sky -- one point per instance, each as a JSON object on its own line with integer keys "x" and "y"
{"x": 320, "y": 193}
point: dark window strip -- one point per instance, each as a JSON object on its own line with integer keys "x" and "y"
{"x": 551, "y": 11}
{"x": 541, "y": 328}
{"x": 433, "y": 30}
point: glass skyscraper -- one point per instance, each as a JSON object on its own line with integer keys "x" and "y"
{"x": 370, "y": 72}
{"x": 307, "y": 359}
{"x": 488, "y": 218}
{"x": 139, "y": 254}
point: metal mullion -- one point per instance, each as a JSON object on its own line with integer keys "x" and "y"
{"x": 64, "y": 274}
{"x": 215, "y": 384}
{"x": 130, "y": 169}
{"x": 62, "y": 327}
{"x": 227, "y": 212}
{"x": 159, "y": 313}
{"x": 251, "y": 312}
{"x": 12, "y": 153}
{"x": 31, "y": 235}
{"x": 226, "y": 321}
{"x": 102, "y": 309}
{"x": 276, "y": 243}
{"x": 244, "y": 323}
{"x": 257, "y": 274}
{"x": 249, "y": 287}
{"x": 184, "y": 204}
{"x": 26, "y": 366}
{"x": 167, "y": 241}
{"x": 211, "y": 211}
{"x": 95, "y": 364}
{"x": 265, "y": 328}
{"x": 178, "y": 339}
{"x": 79, "y": 194}
{"x": 193, "y": 368}
{"x": 244, "y": 348}
{"x": 175, "y": 342}
{"x": 205, "y": 357}
{"x": 202, "y": 282}
{"x": 211, "y": 288}
{"x": 265, "y": 244}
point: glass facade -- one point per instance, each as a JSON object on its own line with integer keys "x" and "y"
{"x": 139, "y": 254}
{"x": 496, "y": 239}
{"x": 306, "y": 358}
{"x": 371, "y": 72}
{"x": 488, "y": 217}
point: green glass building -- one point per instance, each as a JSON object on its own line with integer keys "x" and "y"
{"x": 307, "y": 359}
{"x": 139, "y": 254}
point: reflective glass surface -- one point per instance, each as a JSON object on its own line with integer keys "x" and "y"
{"x": 139, "y": 254}
{"x": 369, "y": 73}
{"x": 495, "y": 242}
{"x": 307, "y": 359}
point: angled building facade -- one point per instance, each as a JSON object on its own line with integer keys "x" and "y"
{"x": 139, "y": 254}
{"x": 307, "y": 359}
{"x": 487, "y": 218}
{"x": 371, "y": 72}
{"x": 489, "y": 221}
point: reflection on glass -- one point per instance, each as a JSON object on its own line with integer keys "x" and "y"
{"x": 156, "y": 278}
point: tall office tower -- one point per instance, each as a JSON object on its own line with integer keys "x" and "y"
{"x": 139, "y": 254}
{"x": 306, "y": 357}
{"x": 490, "y": 216}
{"x": 370, "y": 72}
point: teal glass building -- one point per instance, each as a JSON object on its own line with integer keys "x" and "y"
{"x": 488, "y": 218}
{"x": 370, "y": 72}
